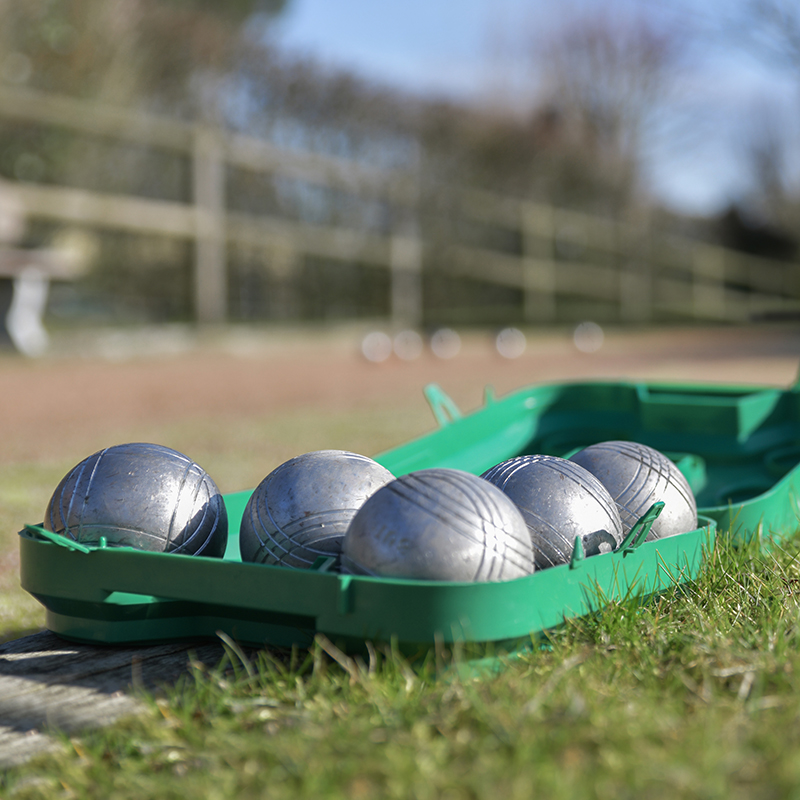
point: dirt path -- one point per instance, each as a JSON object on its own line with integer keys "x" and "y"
{"x": 48, "y": 406}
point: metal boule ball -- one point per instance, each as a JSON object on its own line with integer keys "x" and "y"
{"x": 559, "y": 500}
{"x": 637, "y": 476}
{"x": 438, "y": 524}
{"x": 302, "y": 509}
{"x": 140, "y": 495}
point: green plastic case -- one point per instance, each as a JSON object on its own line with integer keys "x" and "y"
{"x": 738, "y": 446}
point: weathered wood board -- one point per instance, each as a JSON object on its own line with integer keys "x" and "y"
{"x": 47, "y": 683}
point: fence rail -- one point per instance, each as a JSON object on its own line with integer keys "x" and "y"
{"x": 563, "y": 253}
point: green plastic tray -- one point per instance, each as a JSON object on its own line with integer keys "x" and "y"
{"x": 118, "y": 595}
{"x": 738, "y": 446}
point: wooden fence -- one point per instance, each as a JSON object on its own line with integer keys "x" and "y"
{"x": 563, "y": 254}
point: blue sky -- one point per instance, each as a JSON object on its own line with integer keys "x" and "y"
{"x": 467, "y": 49}
{"x": 426, "y": 46}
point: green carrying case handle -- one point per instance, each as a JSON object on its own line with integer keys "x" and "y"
{"x": 635, "y": 537}
{"x": 323, "y": 563}
{"x": 641, "y": 528}
{"x": 57, "y": 538}
{"x": 443, "y": 407}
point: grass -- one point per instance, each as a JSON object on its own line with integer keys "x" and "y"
{"x": 695, "y": 694}
{"x": 692, "y": 695}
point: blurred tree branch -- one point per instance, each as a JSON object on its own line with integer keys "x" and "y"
{"x": 606, "y": 75}
{"x": 767, "y": 31}
{"x": 770, "y": 29}
{"x": 129, "y": 52}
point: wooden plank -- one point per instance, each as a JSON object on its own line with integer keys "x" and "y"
{"x": 495, "y": 208}
{"x": 258, "y": 155}
{"x": 480, "y": 264}
{"x": 159, "y": 131}
{"x": 120, "y": 212}
{"x": 542, "y": 219}
{"x": 539, "y": 268}
{"x": 405, "y": 263}
{"x": 52, "y": 263}
{"x": 140, "y": 215}
{"x": 317, "y": 240}
{"x": 47, "y": 683}
{"x": 210, "y": 272}
{"x": 91, "y": 118}
{"x": 587, "y": 280}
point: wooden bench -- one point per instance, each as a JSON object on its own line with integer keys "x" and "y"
{"x": 25, "y": 276}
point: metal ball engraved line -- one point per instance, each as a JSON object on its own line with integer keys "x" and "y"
{"x": 140, "y": 495}
{"x": 439, "y": 524}
{"x": 637, "y": 476}
{"x": 302, "y": 509}
{"x": 559, "y": 500}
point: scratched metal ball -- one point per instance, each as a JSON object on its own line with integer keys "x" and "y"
{"x": 438, "y": 524}
{"x": 140, "y": 495}
{"x": 637, "y": 476}
{"x": 559, "y": 500}
{"x": 301, "y": 510}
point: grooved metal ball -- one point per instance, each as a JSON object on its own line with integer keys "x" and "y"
{"x": 438, "y": 524}
{"x": 637, "y": 476}
{"x": 302, "y": 509}
{"x": 559, "y": 500}
{"x": 140, "y": 495}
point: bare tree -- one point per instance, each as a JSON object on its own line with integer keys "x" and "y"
{"x": 129, "y": 52}
{"x": 606, "y": 74}
{"x": 766, "y": 146}
{"x": 767, "y": 31}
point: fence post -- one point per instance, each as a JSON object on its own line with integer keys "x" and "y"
{"x": 210, "y": 278}
{"x": 635, "y": 268}
{"x": 537, "y": 225}
{"x": 405, "y": 264}
{"x": 708, "y": 283}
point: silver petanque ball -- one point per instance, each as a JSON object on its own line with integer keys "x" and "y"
{"x": 140, "y": 495}
{"x": 559, "y": 500}
{"x": 302, "y": 509}
{"x": 438, "y": 524}
{"x": 637, "y": 476}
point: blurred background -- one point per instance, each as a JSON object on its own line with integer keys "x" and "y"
{"x": 216, "y": 219}
{"x": 424, "y": 166}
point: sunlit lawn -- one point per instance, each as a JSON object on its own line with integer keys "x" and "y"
{"x": 693, "y": 695}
